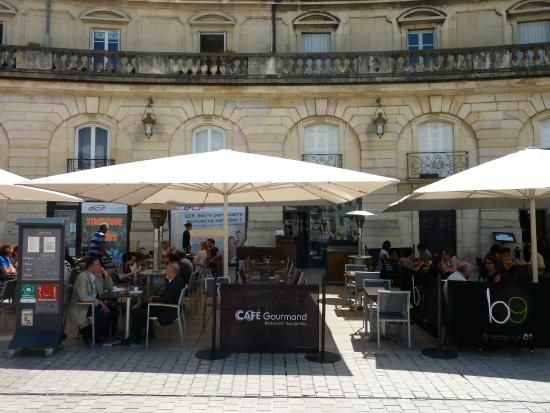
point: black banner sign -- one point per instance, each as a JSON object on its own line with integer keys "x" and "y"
{"x": 487, "y": 316}
{"x": 424, "y": 300}
{"x": 269, "y": 318}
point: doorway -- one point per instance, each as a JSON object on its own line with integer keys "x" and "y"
{"x": 70, "y": 213}
{"x": 438, "y": 229}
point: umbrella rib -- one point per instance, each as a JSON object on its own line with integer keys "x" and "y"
{"x": 257, "y": 192}
{"x": 304, "y": 187}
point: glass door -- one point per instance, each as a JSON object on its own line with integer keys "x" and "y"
{"x": 71, "y": 217}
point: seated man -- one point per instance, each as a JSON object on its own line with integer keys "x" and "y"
{"x": 408, "y": 267}
{"x": 462, "y": 273}
{"x": 89, "y": 286}
{"x": 170, "y": 295}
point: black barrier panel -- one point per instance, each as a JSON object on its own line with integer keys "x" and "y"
{"x": 424, "y": 301}
{"x": 486, "y": 316}
{"x": 269, "y": 318}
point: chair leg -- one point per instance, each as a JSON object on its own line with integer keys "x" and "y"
{"x": 147, "y": 331}
{"x": 204, "y": 313}
{"x": 181, "y": 330}
{"x": 93, "y": 327}
{"x": 378, "y": 333}
{"x": 409, "y": 329}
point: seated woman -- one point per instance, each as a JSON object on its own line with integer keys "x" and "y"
{"x": 124, "y": 271}
{"x": 493, "y": 276}
{"x": 89, "y": 286}
{"x": 540, "y": 259}
{"x": 6, "y": 267}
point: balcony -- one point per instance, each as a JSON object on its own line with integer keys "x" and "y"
{"x": 82, "y": 163}
{"x": 434, "y": 165}
{"x": 288, "y": 68}
{"x": 324, "y": 159}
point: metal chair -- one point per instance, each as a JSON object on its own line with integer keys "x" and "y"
{"x": 90, "y": 318}
{"x": 180, "y": 319}
{"x": 349, "y": 282}
{"x": 7, "y": 292}
{"x": 393, "y": 307}
{"x": 379, "y": 283}
{"x": 360, "y": 276}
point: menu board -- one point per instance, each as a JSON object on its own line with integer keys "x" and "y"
{"x": 41, "y": 254}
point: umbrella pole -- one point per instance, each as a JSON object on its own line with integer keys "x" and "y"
{"x": 323, "y": 356}
{"x": 225, "y": 232}
{"x": 534, "y": 252}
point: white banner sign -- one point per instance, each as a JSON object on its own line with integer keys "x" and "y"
{"x": 100, "y": 208}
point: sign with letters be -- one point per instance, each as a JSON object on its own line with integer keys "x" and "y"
{"x": 269, "y": 318}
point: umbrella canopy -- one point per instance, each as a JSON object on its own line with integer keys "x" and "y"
{"x": 10, "y": 191}
{"x": 216, "y": 178}
{"x": 518, "y": 180}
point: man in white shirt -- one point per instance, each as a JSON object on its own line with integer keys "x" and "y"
{"x": 462, "y": 273}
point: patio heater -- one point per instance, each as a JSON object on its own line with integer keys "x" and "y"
{"x": 359, "y": 218}
{"x": 158, "y": 217}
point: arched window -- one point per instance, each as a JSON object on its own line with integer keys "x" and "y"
{"x": 208, "y": 140}
{"x": 544, "y": 134}
{"x": 91, "y": 147}
{"x": 435, "y": 157}
{"x": 435, "y": 137}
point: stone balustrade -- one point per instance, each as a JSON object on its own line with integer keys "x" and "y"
{"x": 391, "y": 66}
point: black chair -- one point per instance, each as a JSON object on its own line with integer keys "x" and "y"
{"x": 482, "y": 270}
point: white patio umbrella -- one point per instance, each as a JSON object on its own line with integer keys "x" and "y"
{"x": 216, "y": 178}
{"x": 10, "y": 191}
{"x": 518, "y": 180}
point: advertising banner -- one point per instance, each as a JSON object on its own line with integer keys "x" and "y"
{"x": 116, "y": 216}
{"x": 208, "y": 223}
{"x": 269, "y": 318}
{"x": 486, "y": 316}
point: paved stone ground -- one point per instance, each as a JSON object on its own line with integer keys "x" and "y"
{"x": 169, "y": 377}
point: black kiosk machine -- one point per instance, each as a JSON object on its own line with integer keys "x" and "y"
{"x": 39, "y": 291}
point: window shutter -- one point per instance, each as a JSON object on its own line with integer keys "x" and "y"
{"x": 534, "y": 32}
{"x": 544, "y": 134}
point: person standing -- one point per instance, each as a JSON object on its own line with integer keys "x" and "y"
{"x": 186, "y": 242}
{"x": 98, "y": 244}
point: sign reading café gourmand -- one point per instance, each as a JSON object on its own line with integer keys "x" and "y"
{"x": 269, "y": 318}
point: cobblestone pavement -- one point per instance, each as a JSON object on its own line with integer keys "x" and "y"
{"x": 170, "y": 378}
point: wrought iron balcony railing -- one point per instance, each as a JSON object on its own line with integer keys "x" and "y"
{"x": 332, "y": 159}
{"x": 433, "y": 165}
{"x": 82, "y": 163}
{"x": 342, "y": 67}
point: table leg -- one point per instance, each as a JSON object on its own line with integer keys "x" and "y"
{"x": 128, "y": 310}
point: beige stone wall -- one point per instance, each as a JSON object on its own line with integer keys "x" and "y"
{"x": 39, "y": 119}
{"x": 175, "y": 26}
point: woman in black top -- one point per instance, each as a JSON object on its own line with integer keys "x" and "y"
{"x": 493, "y": 276}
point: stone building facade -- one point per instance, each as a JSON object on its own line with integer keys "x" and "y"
{"x": 459, "y": 83}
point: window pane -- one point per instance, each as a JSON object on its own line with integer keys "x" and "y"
{"x": 113, "y": 41}
{"x": 544, "y": 132}
{"x": 101, "y": 143}
{"x": 420, "y": 40}
{"x": 84, "y": 144}
{"x": 413, "y": 41}
{"x": 534, "y": 32}
{"x": 428, "y": 40}
{"x": 321, "y": 139}
{"x": 99, "y": 40}
{"x": 316, "y": 42}
{"x": 217, "y": 140}
{"x": 200, "y": 143}
{"x": 435, "y": 137}
{"x": 212, "y": 42}
{"x": 2, "y": 33}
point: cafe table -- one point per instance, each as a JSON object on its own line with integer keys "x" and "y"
{"x": 127, "y": 294}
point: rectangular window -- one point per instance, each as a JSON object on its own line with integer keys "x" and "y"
{"x": 208, "y": 140}
{"x": 534, "y": 32}
{"x": 420, "y": 40}
{"x": 2, "y": 33}
{"x": 316, "y": 42}
{"x": 106, "y": 40}
{"x": 212, "y": 42}
{"x": 321, "y": 139}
